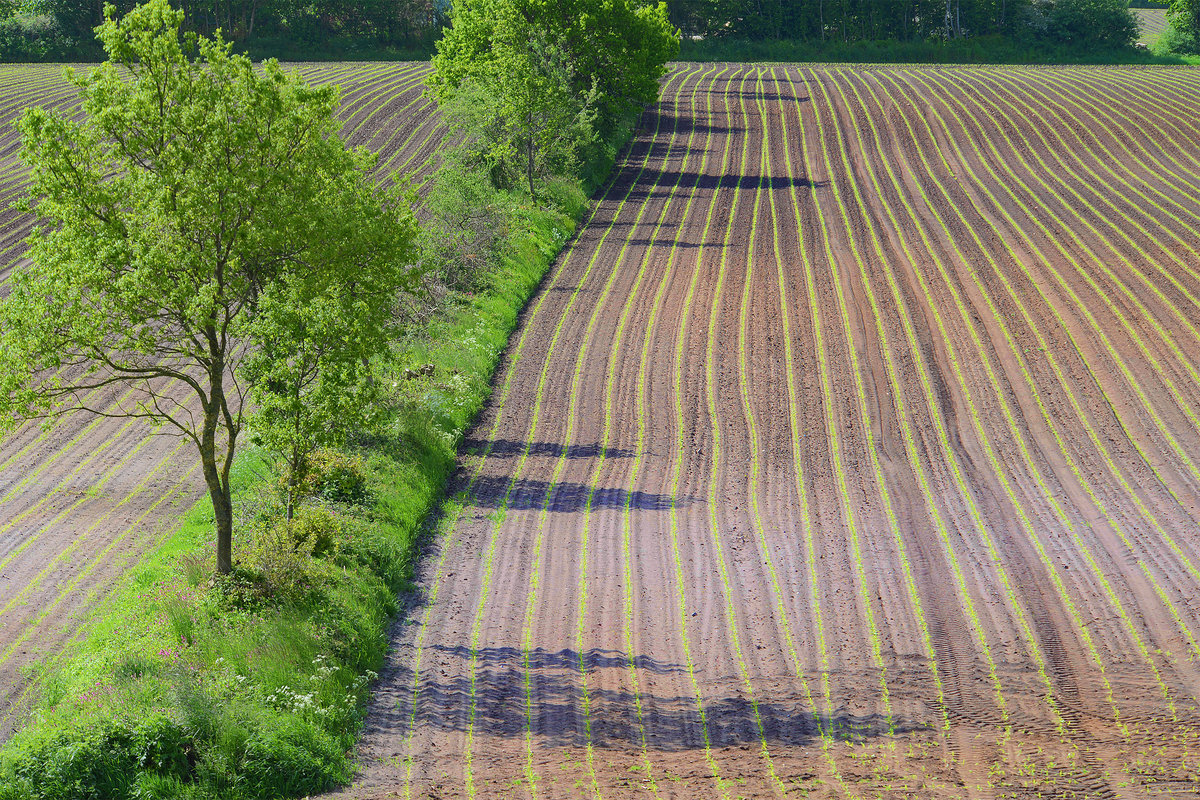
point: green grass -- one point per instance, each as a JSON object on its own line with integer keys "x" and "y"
{"x": 195, "y": 687}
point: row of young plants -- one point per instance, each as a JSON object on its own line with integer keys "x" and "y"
{"x": 1047, "y": 495}
{"x": 1128, "y": 730}
{"x": 1128, "y": 535}
{"x": 1022, "y": 511}
{"x": 1132, "y": 335}
{"x": 253, "y": 683}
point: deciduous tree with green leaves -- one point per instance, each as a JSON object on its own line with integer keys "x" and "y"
{"x": 1183, "y": 33}
{"x": 548, "y": 76}
{"x": 204, "y": 236}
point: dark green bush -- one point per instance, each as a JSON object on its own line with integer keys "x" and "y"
{"x": 1107, "y": 23}
{"x": 337, "y": 477}
{"x": 288, "y": 758}
{"x": 102, "y": 761}
{"x": 31, "y": 37}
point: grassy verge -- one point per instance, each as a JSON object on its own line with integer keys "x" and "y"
{"x": 254, "y": 685}
{"x": 971, "y": 50}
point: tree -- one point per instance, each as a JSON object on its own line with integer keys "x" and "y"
{"x": 616, "y": 48}
{"x": 181, "y": 223}
{"x": 1104, "y": 23}
{"x": 1183, "y": 31}
{"x": 520, "y": 118}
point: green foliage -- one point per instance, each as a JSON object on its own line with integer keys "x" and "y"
{"x": 338, "y": 477}
{"x": 102, "y": 760}
{"x": 1085, "y": 23}
{"x": 519, "y": 120}
{"x": 288, "y": 554}
{"x": 1183, "y": 29}
{"x": 204, "y": 227}
{"x": 467, "y": 218}
{"x": 611, "y": 51}
{"x": 279, "y": 28}
{"x": 968, "y": 50}
{"x": 30, "y": 37}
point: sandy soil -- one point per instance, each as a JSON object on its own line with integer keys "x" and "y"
{"x": 80, "y": 503}
{"x": 849, "y": 451}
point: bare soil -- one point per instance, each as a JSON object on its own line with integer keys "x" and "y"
{"x": 849, "y": 451}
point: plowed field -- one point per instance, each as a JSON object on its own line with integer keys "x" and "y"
{"x": 851, "y": 450}
{"x": 1154, "y": 22}
{"x": 80, "y": 503}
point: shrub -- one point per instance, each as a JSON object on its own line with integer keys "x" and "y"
{"x": 289, "y": 758}
{"x": 31, "y": 37}
{"x": 101, "y": 761}
{"x": 1182, "y": 36}
{"x": 1083, "y": 23}
{"x": 1176, "y": 40}
{"x": 288, "y": 555}
{"x": 335, "y": 476}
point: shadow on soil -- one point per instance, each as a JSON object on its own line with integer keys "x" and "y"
{"x": 671, "y": 723}
{"x": 566, "y": 497}
{"x": 510, "y": 448}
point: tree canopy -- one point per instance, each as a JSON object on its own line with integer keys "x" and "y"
{"x": 619, "y": 48}
{"x": 530, "y": 84}
{"x": 203, "y": 234}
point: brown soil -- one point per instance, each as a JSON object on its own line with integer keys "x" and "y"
{"x": 874, "y": 475}
{"x": 81, "y": 503}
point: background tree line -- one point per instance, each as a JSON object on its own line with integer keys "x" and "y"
{"x": 65, "y": 28}
{"x": 1052, "y": 21}
{"x": 37, "y": 29}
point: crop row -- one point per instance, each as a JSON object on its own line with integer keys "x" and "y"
{"x": 909, "y": 354}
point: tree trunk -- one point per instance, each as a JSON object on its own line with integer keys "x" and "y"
{"x": 529, "y": 159}
{"x": 217, "y": 476}
{"x": 223, "y": 514}
{"x": 218, "y": 491}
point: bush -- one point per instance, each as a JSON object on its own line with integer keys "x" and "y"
{"x": 1182, "y": 36}
{"x": 103, "y": 761}
{"x": 31, "y": 37}
{"x": 289, "y": 555}
{"x": 335, "y": 476}
{"x": 289, "y": 758}
{"x": 1177, "y": 40}
{"x": 1084, "y": 23}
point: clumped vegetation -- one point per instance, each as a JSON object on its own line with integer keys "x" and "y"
{"x": 814, "y": 30}
{"x": 63, "y": 29}
{"x": 1182, "y": 36}
{"x": 240, "y": 667}
{"x": 533, "y": 85}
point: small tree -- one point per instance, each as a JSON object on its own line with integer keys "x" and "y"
{"x": 185, "y": 226}
{"x": 607, "y": 55}
{"x": 520, "y": 117}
